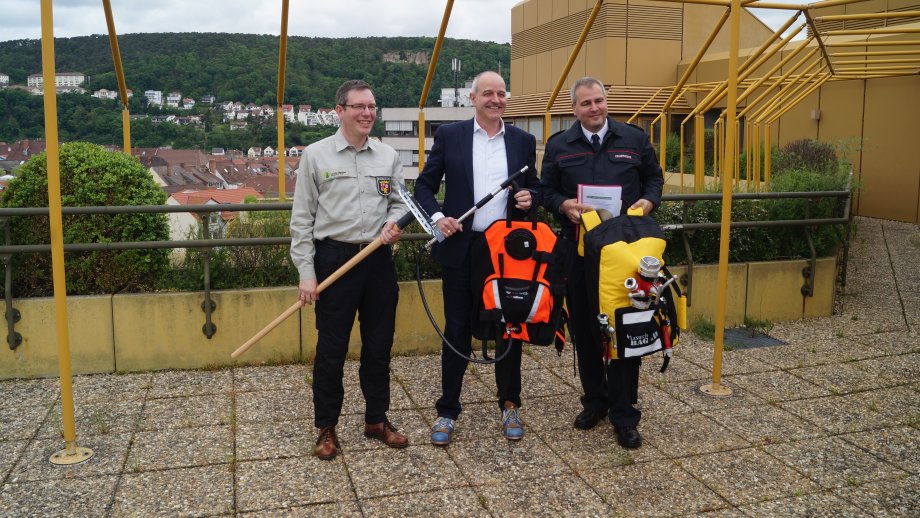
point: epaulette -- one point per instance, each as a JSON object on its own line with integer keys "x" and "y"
{"x": 551, "y": 137}
{"x": 633, "y": 125}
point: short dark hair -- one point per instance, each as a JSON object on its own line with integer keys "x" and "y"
{"x": 341, "y": 95}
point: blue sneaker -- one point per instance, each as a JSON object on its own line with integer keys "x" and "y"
{"x": 442, "y": 431}
{"x": 512, "y": 426}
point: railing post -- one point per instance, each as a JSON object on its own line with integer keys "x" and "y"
{"x": 207, "y": 305}
{"x": 13, "y": 339}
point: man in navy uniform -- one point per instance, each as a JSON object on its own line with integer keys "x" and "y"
{"x": 598, "y": 150}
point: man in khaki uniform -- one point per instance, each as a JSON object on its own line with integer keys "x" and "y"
{"x": 342, "y": 202}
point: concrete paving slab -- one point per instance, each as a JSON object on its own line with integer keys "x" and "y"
{"x": 390, "y": 471}
{"x": 777, "y": 386}
{"x": 9, "y": 454}
{"x": 274, "y": 439}
{"x": 895, "y": 342}
{"x": 277, "y": 377}
{"x": 291, "y": 482}
{"x": 198, "y": 491}
{"x": 885, "y": 498}
{"x": 99, "y": 418}
{"x": 670, "y": 434}
{"x": 899, "y": 446}
{"x": 839, "y": 414}
{"x": 334, "y": 510}
{"x": 657, "y": 488}
{"x": 85, "y": 497}
{"x": 186, "y": 412}
{"x": 764, "y": 424}
{"x": 183, "y": 448}
{"x": 747, "y": 476}
{"x": 458, "y": 502}
{"x": 424, "y": 392}
{"x": 558, "y": 495}
{"x": 545, "y": 414}
{"x": 190, "y": 383}
{"x": 350, "y": 430}
{"x": 100, "y": 388}
{"x": 689, "y": 392}
{"x": 657, "y": 401}
{"x": 495, "y": 460}
{"x": 109, "y": 456}
{"x": 274, "y": 405}
{"x": 679, "y": 369}
{"x": 28, "y": 392}
{"x": 845, "y": 378}
{"x": 23, "y": 422}
{"x": 587, "y": 450}
{"x": 817, "y": 505}
{"x": 833, "y": 462}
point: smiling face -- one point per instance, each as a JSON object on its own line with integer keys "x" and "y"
{"x": 357, "y": 124}
{"x": 590, "y": 107}
{"x": 489, "y": 98}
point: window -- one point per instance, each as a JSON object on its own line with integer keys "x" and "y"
{"x": 406, "y": 156}
{"x": 400, "y": 128}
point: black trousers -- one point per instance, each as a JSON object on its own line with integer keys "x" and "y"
{"x": 370, "y": 290}
{"x": 459, "y": 305}
{"x": 616, "y": 392}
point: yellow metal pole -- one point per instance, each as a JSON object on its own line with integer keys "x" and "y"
{"x": 716, "y": 150}
{"x": 432, "y": 65}
{"x": 757, "y": 148}
{"x": 279, "y": 114}
{"x": 644, "y": 105}
{"x": 120, "y": 76}
{"x": 664, "y": 143}
{"x": 768, "y": 157}
{"x": 814, "y": 30}
{"x": 737, "y": 153}
{"x": 868, "y": 62}
{"x": 783, "y": 97}
{"x": 886, "y": 30}
{"x": 71, "y": 454}
{"x": 716, "y": 388}
{"x": 748, "y": 152}
{"x": 891, "y": 68}
{"x": 780, "y": 95}
{"x": 753, "y": 87}
{"x": 799, "y": 98}
{"x": 875, "y": 53}
{"x": 831, "y": 3}
{"x": 569, "y": 63}
{"x": 681, "y": 158}
{"x": 696, "y": 61}
{"x": 699, "y": 169}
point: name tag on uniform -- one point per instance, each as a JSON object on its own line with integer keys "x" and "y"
{"x": 383, "y": 185}
{"x": 331, "y": 175}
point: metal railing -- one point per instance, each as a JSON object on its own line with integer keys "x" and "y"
{"x": 206, "y": 242}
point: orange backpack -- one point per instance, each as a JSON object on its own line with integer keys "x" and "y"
{"x": 518, "y": 272}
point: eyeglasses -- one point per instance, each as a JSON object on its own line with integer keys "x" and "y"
{"x": 362, "y": 107}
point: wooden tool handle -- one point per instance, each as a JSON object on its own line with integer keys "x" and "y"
{"x": 366, "y": 251}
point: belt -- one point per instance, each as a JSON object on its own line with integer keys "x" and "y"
{"x": 351, "y": 247}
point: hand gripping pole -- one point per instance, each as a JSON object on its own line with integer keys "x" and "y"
{"x": 366, "y": 251}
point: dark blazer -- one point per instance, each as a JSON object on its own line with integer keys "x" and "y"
{"x": 451, "y": 160}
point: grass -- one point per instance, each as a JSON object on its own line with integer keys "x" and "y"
{"x": 703, "y": 328}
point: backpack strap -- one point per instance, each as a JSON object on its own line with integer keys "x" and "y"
{"x": 589, "y": 220}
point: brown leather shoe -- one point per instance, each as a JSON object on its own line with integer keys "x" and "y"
{"x": 387, "y": 433}
{"x": 327, "y": 445}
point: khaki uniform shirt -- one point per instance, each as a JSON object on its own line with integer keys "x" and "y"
{"x": 342, "y": 193}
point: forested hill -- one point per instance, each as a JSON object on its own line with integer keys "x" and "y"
{"x": 244, "y": 67}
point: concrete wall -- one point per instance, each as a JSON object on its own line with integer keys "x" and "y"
{"x": 125, "y": 333}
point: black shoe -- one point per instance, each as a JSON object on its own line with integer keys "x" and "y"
{"x": 588, "y": 419}
{"x": 628, "y": 436}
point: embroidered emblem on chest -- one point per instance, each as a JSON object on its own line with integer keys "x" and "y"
{"x": 331, "y": 175}
{"x": 383, "y": 185}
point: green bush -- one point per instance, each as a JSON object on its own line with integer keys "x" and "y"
{"x": 90, "y": 176}
{"x": 807, "y": 155}
{"x": 758, "y": 244}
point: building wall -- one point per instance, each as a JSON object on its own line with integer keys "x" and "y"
{"x": 632, "y": 42}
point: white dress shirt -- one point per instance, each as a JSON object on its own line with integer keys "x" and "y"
{"x": 490, "y": 169}
{"x": 600, "y": 133}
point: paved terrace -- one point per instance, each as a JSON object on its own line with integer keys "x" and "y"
{"x": 825, "y": 425}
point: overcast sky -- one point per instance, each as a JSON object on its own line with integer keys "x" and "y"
{"x": 487, "y": 20}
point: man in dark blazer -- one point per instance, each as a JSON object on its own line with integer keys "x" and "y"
{"x": 472, "y": 157}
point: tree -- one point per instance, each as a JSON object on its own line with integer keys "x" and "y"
{"x": 90, "y": 176}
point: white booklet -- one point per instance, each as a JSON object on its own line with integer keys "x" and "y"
{"x": 607, "y": 197}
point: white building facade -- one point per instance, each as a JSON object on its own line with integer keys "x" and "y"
{"x": 401, "y": 131}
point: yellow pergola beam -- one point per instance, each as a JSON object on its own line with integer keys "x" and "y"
{"x": 883, "y": 30}
{"x": 776, "y": 68}
{"x": 875, "y": 53}
{"x": 645, "y": 105}
{"x": 867, "y": 16}
{"x": 432, "y": 65}
{"x": 832, "y": 3}
{"x": 877, "y": 61}
{"x": 798, "y": 99}
{"x": 782, "y": 79}
{"x": 547, "y": 119}
{"x": 814, "y": 30}
{"x": 876, "y": 69}
{"x": 902, "y": 43}
{"x": 120, "y": 76}
{"x": 783, "y": 98}
{"x": 279, "y": 114}
{"x": 696, "y": 60}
